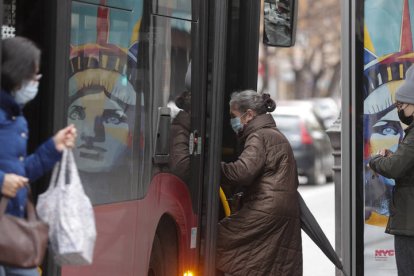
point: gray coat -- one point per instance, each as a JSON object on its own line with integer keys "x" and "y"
{"x": 264, "y": 237}
{"x": 400, "y": 166}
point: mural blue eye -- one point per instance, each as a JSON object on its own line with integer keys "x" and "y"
{"x": 389, "y": 128}
{"x": 389, "y": 131}
{"x": 77, "y": 112}
{"x": 112, "y": 116}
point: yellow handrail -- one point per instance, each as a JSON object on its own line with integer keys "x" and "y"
{"x": 225, "y": 203}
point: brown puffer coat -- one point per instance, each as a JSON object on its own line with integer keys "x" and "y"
{"x": 264, "y": 237}
{"x": 179, "y": 160}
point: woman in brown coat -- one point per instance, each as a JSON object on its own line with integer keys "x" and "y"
{"x": 264, "y": 237}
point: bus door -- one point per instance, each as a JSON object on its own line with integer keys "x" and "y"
{"x": 176, "y": 96}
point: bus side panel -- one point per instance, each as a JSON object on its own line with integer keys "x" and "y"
{"x": 168, "y": 195}
{"x": 114, "y": 248}
{"x": 126, "y": 230}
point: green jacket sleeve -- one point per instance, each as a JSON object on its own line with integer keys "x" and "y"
{"x": 399, "y": 163}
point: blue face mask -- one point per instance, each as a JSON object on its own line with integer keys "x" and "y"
{"x": 26, "y": 93}
{"x": 236, "y": 124}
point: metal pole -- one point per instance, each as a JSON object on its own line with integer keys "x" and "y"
{"x": 334, "y": 133}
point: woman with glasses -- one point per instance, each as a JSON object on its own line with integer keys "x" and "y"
{"x": 400, "y": 166}
{"x": 19, "y": 85}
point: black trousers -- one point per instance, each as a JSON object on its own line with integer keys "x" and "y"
{"x": 404, "y": 255}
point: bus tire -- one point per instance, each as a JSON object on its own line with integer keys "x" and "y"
{"x": 156, "y": 265}
{"x": 164, "y": 253}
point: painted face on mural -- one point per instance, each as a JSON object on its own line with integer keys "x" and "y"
{"x": 382, "y": 130}
{"x": 103, "y": 121}
{"x": 384, "y": 127}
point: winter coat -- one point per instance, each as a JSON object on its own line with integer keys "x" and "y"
{"x": 13, "y": 156}
{"x": 179, "y": 160}
{"x": 399, "y": 166}
{"x": 264, "y": 237}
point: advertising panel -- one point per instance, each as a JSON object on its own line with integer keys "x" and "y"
{"x": 388, "y": 53}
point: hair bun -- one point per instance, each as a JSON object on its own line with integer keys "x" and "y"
{"x": 265, "y": 96}
{"x": 268, "y": 103}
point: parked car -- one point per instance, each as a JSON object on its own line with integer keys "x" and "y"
{"x": 310, "y": 143}
{"x": 326, "y": 109}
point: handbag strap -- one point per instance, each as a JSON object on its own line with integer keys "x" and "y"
{"x": 31, "y": 213}
{"x": 59, "y": 178}
{"x": 3, "y": 205}
{"x": 72, "y": 172}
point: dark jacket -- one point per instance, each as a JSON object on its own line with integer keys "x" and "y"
{"x": 400, "y": 166}
{"x": 264, "y": 237}
{"x": 179, "y": 160}
{"x": 13, "y": 156}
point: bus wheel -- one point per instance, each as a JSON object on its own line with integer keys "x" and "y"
{"x": 164, "y": 253}
{"x": 156, "y": 266}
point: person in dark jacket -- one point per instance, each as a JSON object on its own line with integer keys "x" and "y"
{"x": 263, "y": 238}
{"x": 19, "y": 83}
{"x": 400, "y": 166}
{"x": 179, "y": 160}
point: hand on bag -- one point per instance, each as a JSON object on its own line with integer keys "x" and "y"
{"x": 65, "y": 138}
{"x": 12, "y": 183}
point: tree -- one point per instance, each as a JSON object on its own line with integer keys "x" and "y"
{"x": 314, "y": 61}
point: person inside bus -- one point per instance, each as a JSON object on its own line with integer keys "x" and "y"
{"x": 179, "y": 161}
{"x": 19, "y": 82}
{"x": 399, "y": 166}
{"x": 264, "y": 236}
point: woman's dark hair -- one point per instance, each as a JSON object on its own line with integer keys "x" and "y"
{"x": 250, "y": 99}
{"x": 19, "y": 62}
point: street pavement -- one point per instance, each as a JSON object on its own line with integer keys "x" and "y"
{"x": 320, "y": 200}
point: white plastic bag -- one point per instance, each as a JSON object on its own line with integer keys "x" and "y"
{"x": 69, "y": 213}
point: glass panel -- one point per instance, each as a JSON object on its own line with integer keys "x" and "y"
{"x": 102, "y": 98}
{"x": 172, "y": 88}
{"x": 175, "y": 8}
{"x": 385, "y": 64}
{"x": 120, "y": 4}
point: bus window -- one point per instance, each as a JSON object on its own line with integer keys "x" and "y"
{"x": 119, "y": 4}
{"x": 102, "y": 100}
{"x": 170, "y": 70}
{"x": 182, "y": 9}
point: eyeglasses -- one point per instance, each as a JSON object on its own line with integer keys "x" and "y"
{"x": 399, "y": 105}
{"x": 37, "y": 77}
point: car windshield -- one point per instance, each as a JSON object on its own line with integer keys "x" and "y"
{"x": 287, "y": 122}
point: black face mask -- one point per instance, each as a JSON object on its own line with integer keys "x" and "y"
{"x": 404, "y": 119}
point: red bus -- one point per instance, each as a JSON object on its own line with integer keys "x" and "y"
{"x": 147, "y": 85}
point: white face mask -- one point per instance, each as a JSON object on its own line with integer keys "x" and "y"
{"x": 26, "y": 93}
